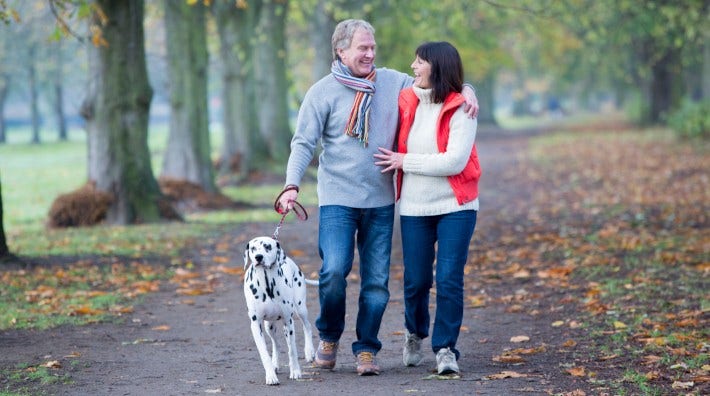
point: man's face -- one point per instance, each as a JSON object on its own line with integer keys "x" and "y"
{"x": 360, "y": 57}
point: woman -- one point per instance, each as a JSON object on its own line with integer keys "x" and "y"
{"x": 437, "y": 184}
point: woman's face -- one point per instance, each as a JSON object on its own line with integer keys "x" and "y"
{"x": 422, "y": 72}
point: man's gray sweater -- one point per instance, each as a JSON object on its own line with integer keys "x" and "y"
{"x": 347, "y": 174}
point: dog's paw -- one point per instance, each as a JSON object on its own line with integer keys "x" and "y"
{"x": 295, "y": 374}
{"x": 272, "y": 379}
{"x": 309, "y": 355}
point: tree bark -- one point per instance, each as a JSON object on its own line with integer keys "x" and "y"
{"x": 272, "y": 85}
{"x": 666, "y": 86}
{"x": 321, "y": 28}
{"x": 116, "y": 110}
{"x": 187, "y": 155}
{"x": 4, "y": 250}
{"x": 4, "y": 89}
{"x": 58, "y": 94}
{"x": 485, "y": 92}
{"x": 34, "y": 95}
{"x": 236, "y": 29}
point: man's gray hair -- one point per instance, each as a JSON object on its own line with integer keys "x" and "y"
{"x": 344, "y": 32}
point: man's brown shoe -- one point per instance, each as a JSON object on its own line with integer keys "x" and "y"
{"x": 366, "y": 364}
{"x": 325, "y": 355}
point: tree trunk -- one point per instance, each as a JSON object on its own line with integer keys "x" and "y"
{"x": 486, "y": 100}
{"x": 4, "y": 250}
{"x": 236, "y": 29}
{"x": 705, "y": 86}
{"x": 34, "y": 101}
{"x": 666, "y": 86}
{"x": 272, "y": 85}
{"x": 4, "y": 89}
{"x": 187, "y": 155}
{"x": 321, "y": 28}
{"x": 58, "y": 95}
{"x": 116, "y": 110}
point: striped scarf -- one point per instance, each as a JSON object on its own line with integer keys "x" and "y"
{"x": 359, "y": 121}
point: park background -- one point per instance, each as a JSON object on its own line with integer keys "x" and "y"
{"x": 151, "y": 124}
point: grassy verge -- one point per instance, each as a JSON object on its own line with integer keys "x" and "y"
{"x": 628, "y": 218}
{"x": 93, "y": 274}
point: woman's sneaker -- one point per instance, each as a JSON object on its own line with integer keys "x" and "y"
{"x": 366, "y": 364}
{"x": 446, "y": 362}
{"x": 412, "y": 354}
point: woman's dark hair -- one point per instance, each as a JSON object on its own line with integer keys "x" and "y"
{"x": 446, "y": 68}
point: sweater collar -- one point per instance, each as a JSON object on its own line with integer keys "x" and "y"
{"x": 425, "y": 95}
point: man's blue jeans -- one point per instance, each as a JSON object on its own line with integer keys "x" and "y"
{"x": 340, "y": 228}
{"x": 452, "y": 232}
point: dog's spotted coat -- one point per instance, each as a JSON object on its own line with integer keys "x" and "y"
{"x": 275, "y": 289}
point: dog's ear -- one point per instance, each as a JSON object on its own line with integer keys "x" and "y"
{"x": 280, "y": 255}
{"x": 246, "y": 256}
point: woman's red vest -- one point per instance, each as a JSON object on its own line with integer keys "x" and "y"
{"x": 464, "y": 184}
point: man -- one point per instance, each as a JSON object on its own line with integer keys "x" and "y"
{"x": 352, "y": 111}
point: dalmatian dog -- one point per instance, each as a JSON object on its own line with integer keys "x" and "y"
{"x": 275, "y": 289}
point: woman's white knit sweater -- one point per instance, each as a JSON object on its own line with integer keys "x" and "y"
{"x": 425, "y": 187}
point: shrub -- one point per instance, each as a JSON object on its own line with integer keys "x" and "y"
{"x": 691, "y": 120}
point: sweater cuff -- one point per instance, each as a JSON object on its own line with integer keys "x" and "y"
{"x": 412, "y": 164}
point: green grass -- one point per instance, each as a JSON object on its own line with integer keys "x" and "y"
{"x": 33, "y": 175}
{"x": 25, "y": 379}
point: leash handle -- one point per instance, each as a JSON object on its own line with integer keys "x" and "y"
{"x": 277, "y": 206}
{"x": 300, "y": 211}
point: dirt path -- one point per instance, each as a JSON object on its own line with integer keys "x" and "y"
{"x": 208, "y": 347}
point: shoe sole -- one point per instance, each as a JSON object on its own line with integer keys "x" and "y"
{"x": 323, "y": 365}
{"x": 369, "y": 373}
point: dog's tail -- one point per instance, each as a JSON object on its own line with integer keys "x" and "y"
{"x": 312, "y": 282}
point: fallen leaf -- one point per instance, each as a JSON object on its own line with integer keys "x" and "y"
{"x": 557, "y": 323}
{"x": 52, "y": 364}
{"x": 508, "y": 359}
{"x": 85, "y": 310}
{"x": 576, "y": 392}
{"x": 520, "y": 338}
{"x": 194, "y": 292}
{"x": 230, "y": 270}
{"x": 477, "y": 301}
{"x": 682, "y": 385}
{"x": 576, "y": 371}
{"x": 506, "y": 374}
{"x": 161, "y": 328}
{"x": 297, "y": 253}
{"x": 569, "y": 343}
{"x": 442, "y": 377}
{"x": 609, "y": 357}
{"x": 619, "y": 325}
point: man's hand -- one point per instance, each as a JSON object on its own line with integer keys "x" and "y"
{"x": 286, "y": 200}
{"x": 389, "y": 159}
{"x": 471, "y": 105}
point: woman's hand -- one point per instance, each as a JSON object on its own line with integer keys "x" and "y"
{"x": 389, "y": 159}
